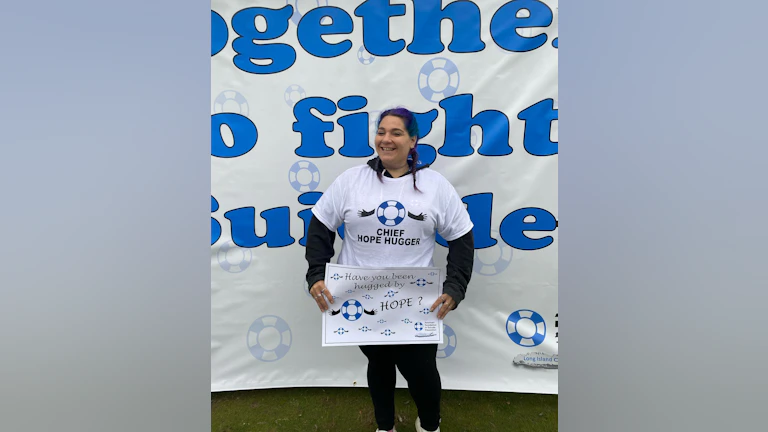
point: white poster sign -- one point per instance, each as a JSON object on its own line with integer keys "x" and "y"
{"x": 382, "y": 306}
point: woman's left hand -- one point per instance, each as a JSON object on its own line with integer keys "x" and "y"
{"x": 447, "y": 305}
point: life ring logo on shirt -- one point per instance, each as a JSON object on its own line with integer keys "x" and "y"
{"x": 390, "y": 213}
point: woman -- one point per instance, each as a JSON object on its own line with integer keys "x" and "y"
{"x": 432, "y": 205}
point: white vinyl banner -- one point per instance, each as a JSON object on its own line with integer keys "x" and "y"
{"x": 296, "y": 89}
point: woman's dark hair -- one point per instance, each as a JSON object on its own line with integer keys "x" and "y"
{"x": 412, "y": 127}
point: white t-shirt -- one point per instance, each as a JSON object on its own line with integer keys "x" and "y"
{"x": 388, "y": 223}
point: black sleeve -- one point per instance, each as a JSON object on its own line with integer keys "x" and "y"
{"x": 319, "y": 250}
{"x": 461, "y": 255}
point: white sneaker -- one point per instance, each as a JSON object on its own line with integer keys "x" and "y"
{"x": 391, "y": 430}
{"x": 421, "y": 429}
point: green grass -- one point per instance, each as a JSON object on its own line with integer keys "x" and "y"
{"x": 350, "y": 409}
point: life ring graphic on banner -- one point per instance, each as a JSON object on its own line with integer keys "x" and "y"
{"x": 304, "y": 176}
{"x": 364, "y": 56}
{"x": 293, "y": 94}
{"x": 502, "y": 253}
{"x": 390, "y": 213}
{"x": 449, "y": 343}
{"x": 269, "y": 338}
{"x": 299, "y": 12}
{"x": 232, "y": 258}
{"x": 227, "y": 100}
{"x": 526, "y": 328}
{"x": 438, "y": 79}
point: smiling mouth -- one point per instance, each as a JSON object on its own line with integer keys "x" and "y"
{"x": 387, "y": 149}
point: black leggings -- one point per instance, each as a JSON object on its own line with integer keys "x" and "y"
{"x": 417, "y": 364}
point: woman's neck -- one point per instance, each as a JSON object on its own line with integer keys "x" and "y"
{"x": 397, "y": 171}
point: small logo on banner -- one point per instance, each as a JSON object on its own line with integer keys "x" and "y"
{"x": 293, "y": 94}
{"x": 449, "y": 343}
{"x": 232, "y": 258}
{"x": 492, "y": 260}
{"x": 526, "y": 328}
{"x": 536, "y": 360}
{"x": 364, "y": 56}
{"x": 230, "y": 101}
{"x": 438, "y": 79}
{"x": 304, "y": 176}
{"x": 269, "y": 338}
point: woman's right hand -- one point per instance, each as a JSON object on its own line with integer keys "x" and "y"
{"x": 320, "y": 293}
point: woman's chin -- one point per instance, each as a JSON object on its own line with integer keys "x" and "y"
{"x": 388, "y": 157}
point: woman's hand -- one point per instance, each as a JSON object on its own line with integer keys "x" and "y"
{"x": 320, "y": 293}
{"x": 448, "y": 304}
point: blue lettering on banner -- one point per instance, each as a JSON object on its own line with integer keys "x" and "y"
{"x": 513, "y": 228}
{"x": 376, "y": 14}
{"x": 458, "y": 128}
{"x": 505, "y": 23}
{"x": 310, "y": 198}
{"x": 479, "y": 207}
{"x": 425, "y": 120}
{"x": 259, "y": 58}
{"x": 538, "y": 125}
{"x": 281, "y": 56}
{"x": 427, "y": 20}
{"x": 459, "y": 121}
{"x": 311, "y": 128}
{"x": 215, "y": 225}
{"x": 243, "y": 227}
{"x": 243, "y": 131}
{"x": 306, "y": 216}
{"x": 219, "y": 33}
{"x": 311, "y": 31}
{"x": 307, "y": 198}
{"x": 427, "y": 153}
{"x": 355, "y": 128}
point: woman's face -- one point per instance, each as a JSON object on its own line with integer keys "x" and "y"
{"x": 392, "y": 141}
